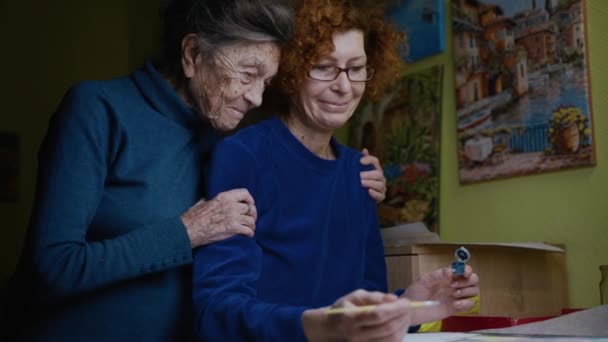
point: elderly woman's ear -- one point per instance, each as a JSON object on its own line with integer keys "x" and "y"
{"x": 190, "y": 54}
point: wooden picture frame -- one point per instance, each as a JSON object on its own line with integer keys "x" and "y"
{"x": 9, "y": 162}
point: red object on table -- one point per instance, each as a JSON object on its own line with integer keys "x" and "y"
{"x": 570, "y": 310}
{"x": 470, "y": 323}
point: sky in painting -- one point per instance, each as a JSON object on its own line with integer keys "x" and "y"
{"x": 512, "y": 7}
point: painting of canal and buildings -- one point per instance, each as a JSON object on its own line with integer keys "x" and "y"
{"x": 403, "y": 130}
{"x": 522, "y": 87}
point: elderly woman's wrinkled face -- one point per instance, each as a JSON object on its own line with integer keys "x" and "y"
{"x": 225, "y": 89}
{"x": 329, "y": 104}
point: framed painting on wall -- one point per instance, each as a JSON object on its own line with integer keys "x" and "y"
{"x": 9, "y": 158}
{"x": 423, "y": 22}
{"x": 403, "y": 129}
{"x": 522, "y": 87}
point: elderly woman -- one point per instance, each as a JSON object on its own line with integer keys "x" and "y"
{"x": 116, "y": 215}
{"x": 317, "y": 241}
{"x": 111, "y": 231}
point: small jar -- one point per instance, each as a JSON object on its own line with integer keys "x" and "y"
{"x": 604, "y": 284}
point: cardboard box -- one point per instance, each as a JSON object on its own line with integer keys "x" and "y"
{"x": 516, "y": 279}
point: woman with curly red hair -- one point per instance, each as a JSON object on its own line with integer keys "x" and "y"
{"x": 317, "y": 242}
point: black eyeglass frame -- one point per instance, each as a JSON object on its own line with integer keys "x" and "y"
{"x": 370, "y": 73}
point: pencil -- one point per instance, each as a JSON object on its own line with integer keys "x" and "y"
{"x": 368, "y": 308}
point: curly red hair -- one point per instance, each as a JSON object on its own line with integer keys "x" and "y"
{"x": 315, "y": 23}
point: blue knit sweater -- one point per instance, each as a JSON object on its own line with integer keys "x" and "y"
{"x": 317, "y": 237}
{"x": 107, "y": 256}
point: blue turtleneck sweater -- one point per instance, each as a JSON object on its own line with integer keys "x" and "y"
{"x": 107, "y": 257}
{"x": 317, "y": 237}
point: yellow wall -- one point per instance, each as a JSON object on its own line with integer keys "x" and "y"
{"x": 48, "y": 46}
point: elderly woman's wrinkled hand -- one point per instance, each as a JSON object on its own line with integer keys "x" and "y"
{"x": 229, "y": 213}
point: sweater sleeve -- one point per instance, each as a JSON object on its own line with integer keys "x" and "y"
{"x": 74, "y": 159}
{"x": 225, "y": 273}
{"x": 375, "y": 264}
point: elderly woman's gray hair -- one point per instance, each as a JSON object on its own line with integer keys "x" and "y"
{"x": 219, "y": 23}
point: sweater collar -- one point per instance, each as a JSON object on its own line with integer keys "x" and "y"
{"x": 298, "y": 149}
{"x": 164, "y": 99}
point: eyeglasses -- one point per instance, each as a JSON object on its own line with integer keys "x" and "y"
{"x": 330, "y": 72}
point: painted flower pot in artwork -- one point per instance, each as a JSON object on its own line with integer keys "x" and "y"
{"x": 567, "y": 139}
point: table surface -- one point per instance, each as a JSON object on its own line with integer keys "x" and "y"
{"x": 586, "y": 325}
{"x": 591, "y": 322}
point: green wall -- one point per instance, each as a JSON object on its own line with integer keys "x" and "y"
{"x": 47, "y": 46}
